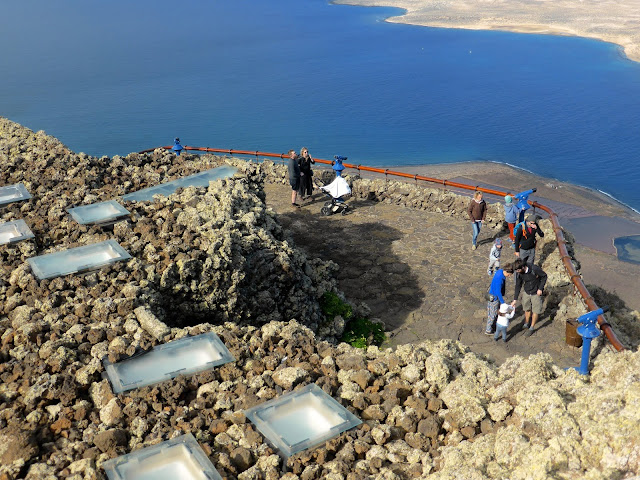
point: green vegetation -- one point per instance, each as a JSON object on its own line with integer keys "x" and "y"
{"x": 359, "y": 332}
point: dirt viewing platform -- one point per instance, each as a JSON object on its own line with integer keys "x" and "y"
{"x": 417, "y": 273}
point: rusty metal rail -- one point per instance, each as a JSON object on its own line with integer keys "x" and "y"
{"x": 557, "y": 229}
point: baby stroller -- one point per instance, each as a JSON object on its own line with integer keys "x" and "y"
{"x": 335, "y": 191}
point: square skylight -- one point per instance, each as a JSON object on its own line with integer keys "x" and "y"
{"x": 201, "y": 179}
{"x": 181, "y": 458}
{"x": 14, "y": 231}
{"x": 185, "y": 356}
{"x": 102, "y": 212}
{"x": 302, "y": 419}
{"x": 73, "y": 260}
{"x": 14, "y": 193}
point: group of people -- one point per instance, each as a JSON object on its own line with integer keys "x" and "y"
{"x": 300, "y": 175}
{"x": 529, "y": 278}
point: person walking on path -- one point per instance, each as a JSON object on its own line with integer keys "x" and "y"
{"x": 477, "y": 212}
{"x": 525, "y": 240}
{"x": 294, "y": 176}
{"x": 505, "y": 314}
{"x": 496, "y": 294}
{"x": 306, "y": 180}
{"x": 532, "y": 278}
{"x": 494, "y": 256}
{"x": 510, "y": 215}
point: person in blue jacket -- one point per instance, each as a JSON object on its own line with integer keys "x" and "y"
{"x": 510, "y": 216}
{"x": 496, "y": 293}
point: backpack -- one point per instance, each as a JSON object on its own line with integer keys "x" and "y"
{"x": 518, "y": 226}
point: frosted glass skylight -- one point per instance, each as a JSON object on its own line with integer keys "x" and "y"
{"x": 73, "y": 260}
{"x": 302, "y": 419}
{"x": 14, "y": 193}
{"x": 181, "y": 458}
{"x": 186, "y": 356}
{"x": 102, "y": 212}
{"x": 201, "y": 179}
{"x": 14, "y": 231}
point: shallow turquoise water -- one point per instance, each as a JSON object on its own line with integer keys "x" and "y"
{"x": 628, "y": 248}
{"x": 116, "y": 77}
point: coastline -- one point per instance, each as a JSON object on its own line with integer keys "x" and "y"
{"x": 608, "y": 21}
{"x": 592, "y": 217}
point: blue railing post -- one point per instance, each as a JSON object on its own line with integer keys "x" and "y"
{"x": 338, "y": 167}
{"x": 588, "y": 331}
{"x": 176, "y": 146}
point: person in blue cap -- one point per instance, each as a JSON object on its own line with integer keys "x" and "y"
{"x": 510, "y": 215}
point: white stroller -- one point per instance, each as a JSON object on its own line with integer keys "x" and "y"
{"x": 336, "y": 190}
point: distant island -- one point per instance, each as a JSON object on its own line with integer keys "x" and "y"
{"x": 611, "y": 21}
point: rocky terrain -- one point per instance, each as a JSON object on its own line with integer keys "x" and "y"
{"x": 216, "y": 259}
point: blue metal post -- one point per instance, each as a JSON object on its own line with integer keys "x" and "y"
{"x": 523, "y": 204}
{"x": 588, "y": 330}
{"x": 337, "y": 166}
{"x": 176, "y": 146}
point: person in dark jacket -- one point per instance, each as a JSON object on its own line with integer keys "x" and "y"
{"x": 531, "y": 279}
{"x": 525, "y": 241}
{"x": 306, "y": 175}
{"x": 477, "y": 212}
{"x": 294, "y": 176}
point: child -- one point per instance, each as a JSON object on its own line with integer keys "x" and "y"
{"x": 510, "y": 215}
{"x": 505, "y": 314}
{"x": 494, "y": 256}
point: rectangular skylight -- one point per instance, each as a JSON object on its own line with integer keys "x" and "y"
{"x": 14, "y": 193}
{"x": 181, "y": 458}
{"x": 14, "y": 231}
{"x": 302, "y": 419}
{"x": 73, "y": 260}
{"x": 186, "y": 356}
{"x": 102, "y": 212}
{"x": 201, "y": 179}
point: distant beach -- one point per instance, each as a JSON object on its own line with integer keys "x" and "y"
{"x": 609, "y": 21}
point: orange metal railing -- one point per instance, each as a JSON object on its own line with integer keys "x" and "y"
{"x": 557, "y": 229}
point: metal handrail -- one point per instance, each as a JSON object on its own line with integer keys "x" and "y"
{"x": 557, "y": 229}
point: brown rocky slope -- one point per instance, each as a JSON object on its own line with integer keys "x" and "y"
{"x": 215, "y": 259}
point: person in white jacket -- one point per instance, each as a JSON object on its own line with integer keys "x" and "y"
{"x": 505, "y": 314}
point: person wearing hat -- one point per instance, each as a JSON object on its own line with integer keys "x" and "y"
{"x": 510, "y": 215}
{"x": 531, "y": 279}
{"x": 525, "y": 240}
{"x": 505, "y": 314}
{"x": 494, "y": 256}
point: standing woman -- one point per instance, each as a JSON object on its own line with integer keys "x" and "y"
{"x": 477, "y": 212}
{"x": 306, "y": 180}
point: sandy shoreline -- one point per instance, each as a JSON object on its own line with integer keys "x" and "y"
{"x": 593, "y": 218}
{"x": 610, "y": 21}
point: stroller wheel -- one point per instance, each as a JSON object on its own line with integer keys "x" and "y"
{"x": 325, "y": 211}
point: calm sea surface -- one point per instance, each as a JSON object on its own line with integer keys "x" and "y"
{"x": 114, "y": 77}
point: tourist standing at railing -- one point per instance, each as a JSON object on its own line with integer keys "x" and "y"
{"x": 533, "y": 279}
{"x": 496, "y": 294}
{"x": 477, "y": 212}
{"x": 525, "y": 241}
{"x": 294, "y": 176}
{"x": 306, "y": 175}
{"x": 510, "y": 215}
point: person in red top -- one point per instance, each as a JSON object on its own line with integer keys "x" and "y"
{"x": 477, "y": 212}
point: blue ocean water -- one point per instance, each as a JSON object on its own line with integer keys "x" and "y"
{"x": 114, "y": 77}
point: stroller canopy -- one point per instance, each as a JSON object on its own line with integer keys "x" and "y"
{"x": 337, "y": 188}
